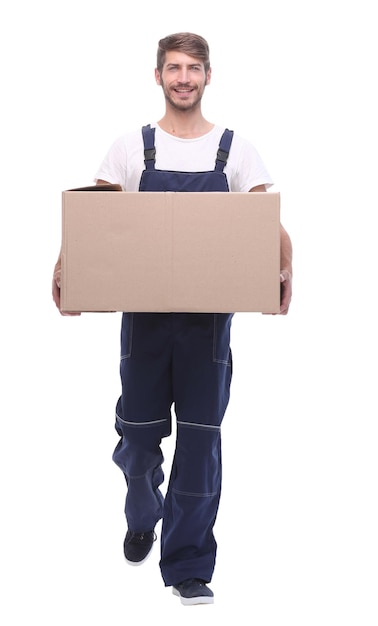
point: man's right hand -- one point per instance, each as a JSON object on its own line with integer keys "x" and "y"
{"x": 56, "y": 292}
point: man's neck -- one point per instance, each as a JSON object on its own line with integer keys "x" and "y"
{"x": 185, "y": 124}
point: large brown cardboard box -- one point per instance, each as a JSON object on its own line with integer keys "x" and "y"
{"x": 169, "y": 251}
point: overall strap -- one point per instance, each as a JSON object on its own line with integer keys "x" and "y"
{"x": 223, "y": 150}
{"x": 149, "y": 146}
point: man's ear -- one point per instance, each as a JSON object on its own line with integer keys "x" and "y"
{"x": 157, "y": 76}
{"x": 208, "y": 76}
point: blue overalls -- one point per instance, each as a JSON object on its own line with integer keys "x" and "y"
{"x": 182, "y": 359}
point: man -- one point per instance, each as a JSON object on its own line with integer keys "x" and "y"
{"x": 182, "y": 359}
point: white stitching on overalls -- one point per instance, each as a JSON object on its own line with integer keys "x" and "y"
{"x": 196, "y": 425}
{"x": 150, "y": 423}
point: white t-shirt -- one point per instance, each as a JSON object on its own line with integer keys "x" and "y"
{"x": 124, "y": 161}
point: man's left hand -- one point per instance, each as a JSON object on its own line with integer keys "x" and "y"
{"x": 286, "y": 291}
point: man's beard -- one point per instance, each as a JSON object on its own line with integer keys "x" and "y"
{"x": 183, "y": 105}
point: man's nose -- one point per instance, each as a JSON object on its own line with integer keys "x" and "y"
{"x": 183, "y": 75}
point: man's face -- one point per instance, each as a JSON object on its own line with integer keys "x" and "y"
{"x": 183, "y": 80}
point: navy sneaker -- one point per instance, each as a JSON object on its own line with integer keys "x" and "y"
{"x": 137, "y": 546}
{"x": 193, "y": 591}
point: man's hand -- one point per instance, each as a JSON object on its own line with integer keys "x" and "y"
{"x": 56, "y": 291}
{"x": 286, "y": 291}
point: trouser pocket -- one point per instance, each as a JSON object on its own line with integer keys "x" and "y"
{"x": 127, "y": 335}
{"x": 221, "y": 338}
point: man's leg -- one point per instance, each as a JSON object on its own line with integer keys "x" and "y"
{"x": 202, "y": 369}
{"x": 143, "y": 415}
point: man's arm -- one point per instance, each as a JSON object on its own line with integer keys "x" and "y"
{"x": 286, "y": 272}
{"x": 102, "y": 182}
{"x": 56, "y": 286}
{"x": 58, "y": 271}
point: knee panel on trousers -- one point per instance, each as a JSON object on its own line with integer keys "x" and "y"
{"x": 197, "y": 466}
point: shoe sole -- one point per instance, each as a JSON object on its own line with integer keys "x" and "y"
{"x": 192, "y": 601}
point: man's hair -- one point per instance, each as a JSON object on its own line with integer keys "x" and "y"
{"x": 193, "y": 45}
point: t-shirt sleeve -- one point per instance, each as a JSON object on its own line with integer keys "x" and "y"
{"x": 251, "y": 170}
{"x": 113, "y": 167}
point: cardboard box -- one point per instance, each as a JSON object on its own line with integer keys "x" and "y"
{"x": 170, "y": 252}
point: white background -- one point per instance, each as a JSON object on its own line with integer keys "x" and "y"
{"x": 297, "y": 527}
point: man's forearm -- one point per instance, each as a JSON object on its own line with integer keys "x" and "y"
{"x": 58, "y": 264}
{"x": 286, "y": 252}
